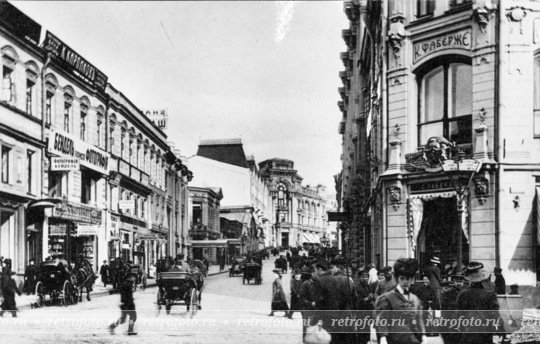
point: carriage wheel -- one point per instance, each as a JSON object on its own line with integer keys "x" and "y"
{"x": 40, "y": 297}
{"x": 66, "y": 291}
{"x": 74, "y": 295}
{"x": 143, "y": 287}
{"x": 194, "y": 302}
{"x": 158, "y": 302}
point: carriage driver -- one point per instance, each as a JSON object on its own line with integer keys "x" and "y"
{"x": 180, "y": 264}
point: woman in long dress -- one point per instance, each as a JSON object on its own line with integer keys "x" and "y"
{"x": 279, "y": 300}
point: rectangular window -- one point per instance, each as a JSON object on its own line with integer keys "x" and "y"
{"x": 84, "y": 113}
{"x": 67, "y": 111}
{"x": 536, "y": 118}
{"x": 55, "y": 184}
{"x": 29, "y": 96}
{"x": 98, "y": 132}
{"x": 7, "y": 84}
{"x": 6, "y": 151}
{"x": 29, "y": 171}
{"x": 48, "y": 107}
{"x": 424, "y": 8}
{"x": 111, "y": 142}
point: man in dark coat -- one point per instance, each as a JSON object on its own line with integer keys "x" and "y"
{"x": 296, "y": 284}
{"x": 327, "y": 303}
{"x": 127, "y": 307}
{"x": 30, "y": 277}
{"x": 9, "y": 289}
{"x": 500, "y": 283}
{"x": 104, "y": 271}
{"x": 448, "y": 305}
{"x": 476, "y": 298}
{"x": 365, "y": 301}
{"x": 308, "y": 297}
{"x": 434, "y": 274}
{"x": 387, "y": 284}
{"x": 401, "y": 299}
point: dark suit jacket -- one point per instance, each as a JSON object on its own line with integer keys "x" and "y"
{"x": 434, "y": 275}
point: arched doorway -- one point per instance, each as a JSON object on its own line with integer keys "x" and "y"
{"x": 438, "y": 233}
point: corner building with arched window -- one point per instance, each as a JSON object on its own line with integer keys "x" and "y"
{"x": 441, "y": 134}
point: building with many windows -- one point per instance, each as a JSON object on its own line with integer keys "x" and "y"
{"x": 440, "y": 133}
{"x": 83, "y": 171}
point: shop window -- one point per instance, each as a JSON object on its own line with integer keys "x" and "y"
{"x": 445, "y": 103}
{"x": 6, "y": 155}
{"x": 424, "y": 8}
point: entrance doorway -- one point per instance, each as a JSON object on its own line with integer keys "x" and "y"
{"x": 438, "y": 233}
{"x": 285, "y": 240}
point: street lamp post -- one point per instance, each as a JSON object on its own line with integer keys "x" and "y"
{"x": 324, "y": 242}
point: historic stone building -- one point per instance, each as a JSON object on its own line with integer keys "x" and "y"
{"x": 441, "y": 133}
{"x": 300, "y": 211}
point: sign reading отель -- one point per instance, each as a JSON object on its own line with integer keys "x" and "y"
{"x": 461, "y": 39}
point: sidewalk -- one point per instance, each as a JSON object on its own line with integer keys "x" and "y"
{"x": 24, "y": 301}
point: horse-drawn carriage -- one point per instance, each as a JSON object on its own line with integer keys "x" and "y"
{"x": 176, "y": 287}
{"x": 252, "y": 271}
{"x": 237, "y": 266}
{"x": 121, "y": 270}
{"x": 62, "y": 285}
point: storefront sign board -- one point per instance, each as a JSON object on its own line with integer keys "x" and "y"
{"x": 68, "y": 146}
{"x": 135, "y": 174}
{"x": 461, "y": 39}
{"x": 82, "y": 213}
{"x": 65, "y": 164}
{"x": 85, "y": 230}
{"x": 126, "y": 204}
{"x": 123, "y": 168}
{"x": 432, "y": 186}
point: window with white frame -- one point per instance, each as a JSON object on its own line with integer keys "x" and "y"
{"x": 424, "y": 8}
{"x": 445, "y": 102}
{"x": 6, "y": 160}
{"x": 68, "y": 102}
{"x": 84, "y": 115}
{"x": 30, "y": 171}
{"x": 8, "y": 87}
{"x": 48, "y": 107}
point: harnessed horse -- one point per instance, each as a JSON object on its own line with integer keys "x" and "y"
{"x": 82, "y": 276}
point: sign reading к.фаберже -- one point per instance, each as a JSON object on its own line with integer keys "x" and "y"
{"x": 455, "y": 40}
{"x": 68, "y": 146}
{"x": 74, "y": 62}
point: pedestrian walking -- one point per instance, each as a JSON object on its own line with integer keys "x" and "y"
{"x": 308, "y": 296}
{"x": 434, "y": 274}
{"x": 279, "y": 300}
{"x": 104, "y": 271}
{"x": 409, "y": 307}
{"x": 327, "y": 304}
{"x": 365, "y": 301}
{"x": 9, "y": 289}
{"x": 30, "y": 277}
{"x": 448, "y": 305}
{"x": 127, "y": 307}
{"x": 477, "y": 298}
{"x": 296, "y": 284}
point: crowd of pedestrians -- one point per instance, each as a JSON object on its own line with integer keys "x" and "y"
{"x": 325, "y": 289}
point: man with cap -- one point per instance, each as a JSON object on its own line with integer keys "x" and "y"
{"x": 477, "y": 298}
{"x": 434, "y": 274}
{"x": 127, "y": 306}
{"x": 9, "y": 288}
{"x": 104, "y": 272}
{"x": 408, "y": 306}
{"x": 387, "y": 284}
{"x": 30, "y": 277}
{"x": 365, "y": 300}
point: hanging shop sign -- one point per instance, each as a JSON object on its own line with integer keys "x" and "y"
{"x": 68, "y": 146}
{"x": 77, "y": 212}
{"x": 461, "y": 39}
{"x": 86, "y": 230}
{"x": 73, "y": 62}
{"x": 65, "y": 164}
{"x": 126, "y": 204}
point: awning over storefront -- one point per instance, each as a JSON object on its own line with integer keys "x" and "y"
{"x": 538, "y": 215}
{"x": 316, "y": 239}
{"x": 242, "y": 217}
{"x": 305, "y": 238}
{"x": 210, "y": 243}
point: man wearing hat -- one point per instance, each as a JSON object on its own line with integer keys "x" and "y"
{"x": 500, "y": 283}
{"x": 434, "y": 274}
{"x": 327, "y": 303}
{"x": 408, "y": 306}
{"x": 104, "y": 272}
{"x": 478, "y": 298}
{"x": 9, "y": 288}
{"x": 386, "y": 284}
{"x": 127, "y": 307}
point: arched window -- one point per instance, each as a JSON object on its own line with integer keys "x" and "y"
{"x": 68, "y": 105}
{"x": 445, "y": 103}
{"x": 85, "y": 104}
{"x": 32, "y": 72}
{"x": 9, "y": 61}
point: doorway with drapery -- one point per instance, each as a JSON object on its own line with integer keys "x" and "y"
{"x": 433, "y": 225}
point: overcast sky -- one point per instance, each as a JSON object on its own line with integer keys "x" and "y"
{"x": 263, "y": 71}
